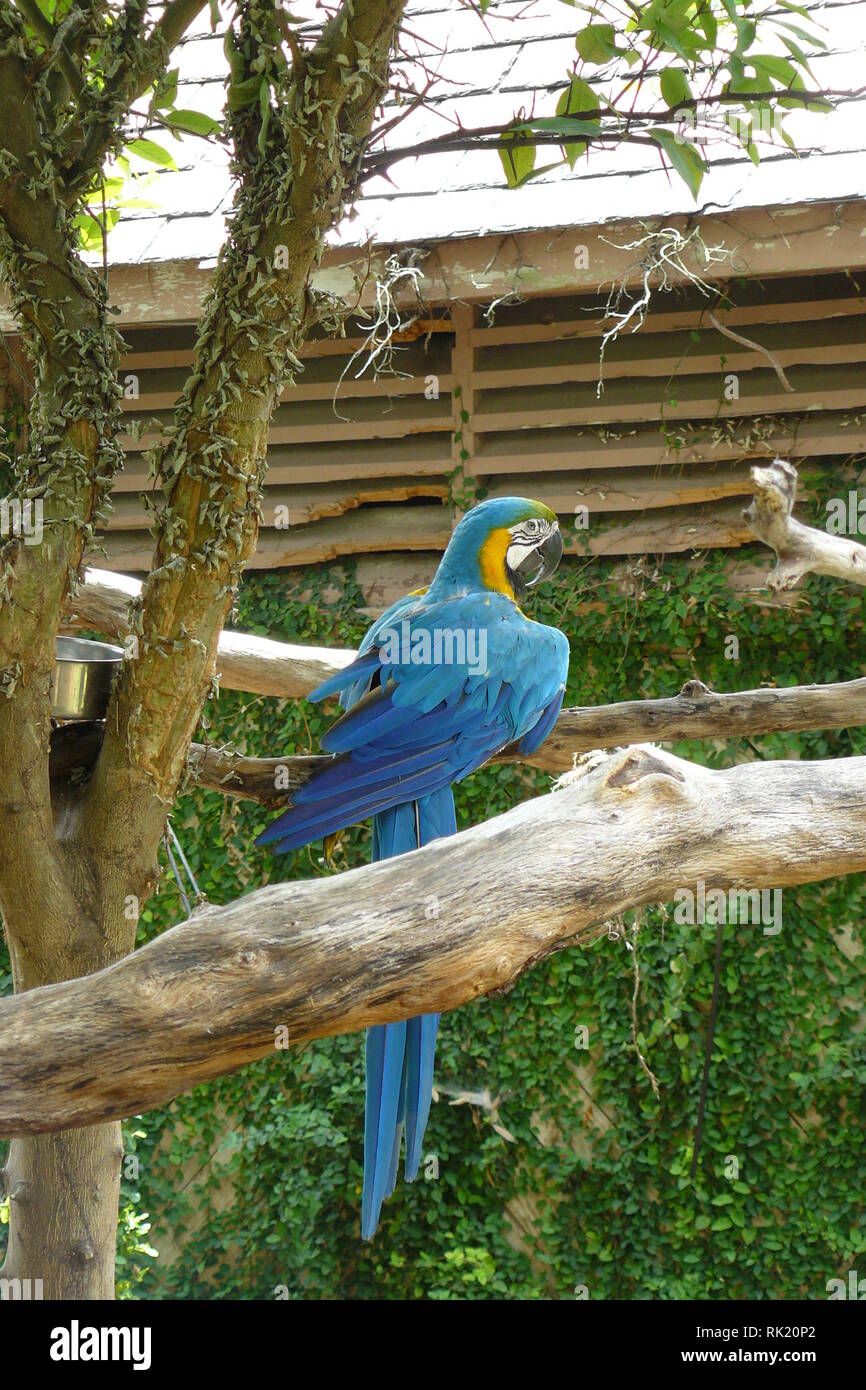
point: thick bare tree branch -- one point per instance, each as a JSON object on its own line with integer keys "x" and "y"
{"x": 426, "y": 931}
{"x": 244, "y": 661}
{"x": 800, "y": 549}
{"x": 695, "y": 713}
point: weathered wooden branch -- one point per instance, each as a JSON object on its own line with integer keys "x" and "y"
{"x": 428, "y": 931}
{"x": 695, "y": 713}
{"x": 800, "y": 549}
{"x": 244, "y": 661}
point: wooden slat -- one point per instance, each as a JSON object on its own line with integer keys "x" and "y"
{"x": 422, "y": 455}
{"x": 638, "y": 399}
{"x": 668, "y": 530}
{"x": 301, "y": 505}
{"x": 670, "y": 354}
{"x": 595, "y": 325}
{"x": 366, "y": 532}
{"x": 530, "y": 361}
{"x": 322, "y": 427}
{"x": 153, "y": 396}
{"x": 771, "y": 300}
{"x": 826, "y": 433}
{"x": 148, "y": 350}
{"x": 610, "y": 490}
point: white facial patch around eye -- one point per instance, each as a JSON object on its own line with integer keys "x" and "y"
{"x": 518, "y": 551}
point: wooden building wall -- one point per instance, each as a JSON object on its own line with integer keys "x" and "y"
{"x": 660, "y": 457}
{"x": 363, "y": 467}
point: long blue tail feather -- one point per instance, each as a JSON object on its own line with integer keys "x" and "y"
{"x": 385, "y": 1053}
{"x": 400, "y": 1063}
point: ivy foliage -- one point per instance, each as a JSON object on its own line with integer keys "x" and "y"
{"x": 572, "y": 1179}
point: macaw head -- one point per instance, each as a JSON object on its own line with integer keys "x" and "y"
{"x": 508, "y": 544}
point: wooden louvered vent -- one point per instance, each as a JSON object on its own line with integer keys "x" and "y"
{"x": 659, "y": 457}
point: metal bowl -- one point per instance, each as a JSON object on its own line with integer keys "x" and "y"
{"x": 84, "y": 673}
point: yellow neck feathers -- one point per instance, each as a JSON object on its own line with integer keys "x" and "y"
{"x": 491, "y": 561}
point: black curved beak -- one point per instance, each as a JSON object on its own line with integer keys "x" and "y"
{"x": 542, "y": 561}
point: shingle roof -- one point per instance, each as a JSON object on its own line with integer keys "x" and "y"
{"x": 515, "y": 57}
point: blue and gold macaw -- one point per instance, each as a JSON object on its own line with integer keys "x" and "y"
{"x": 444, "y": 679}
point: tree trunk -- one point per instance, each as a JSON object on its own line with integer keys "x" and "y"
{"x": 75, "y": 853}
{"x": 63, "y": 1193}
{"x": 64, "y": 1188}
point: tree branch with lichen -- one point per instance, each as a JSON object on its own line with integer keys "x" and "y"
{"x": 68, "y": 468}
{"x": 134, "y": 59}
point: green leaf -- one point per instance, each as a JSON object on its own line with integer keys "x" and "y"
{"x": 678, "y": 43}
{"x": 779, "y": 129}
{"x": 778, "y": 68}
{"x": 244, "y": 93}
{"x": 89, "y": 232}
{"x": 795, "y": 9}
{"x": 517, "y": 162}
{"x": 578, "y": 96}
{"x": 560, "y": 125}
{"x": 196, "y": 122}
{"x": 746, "y": 30}
{"x": 706, "y": 21}
{"x": 675, "y": 86}
{"x": 746, "y": 86}
{"x": 152, "y": 152}
{"x": 265, "y": 110}
{"x": 165, "y": 90}
{"x": 596, "y": 44}
{"x": 684, "y": 159}
{"x": 234, "y": 57}
{"x": 803, "y": 34}
{"x": 796, "y": 52}
{"x": 110, "y": 187}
